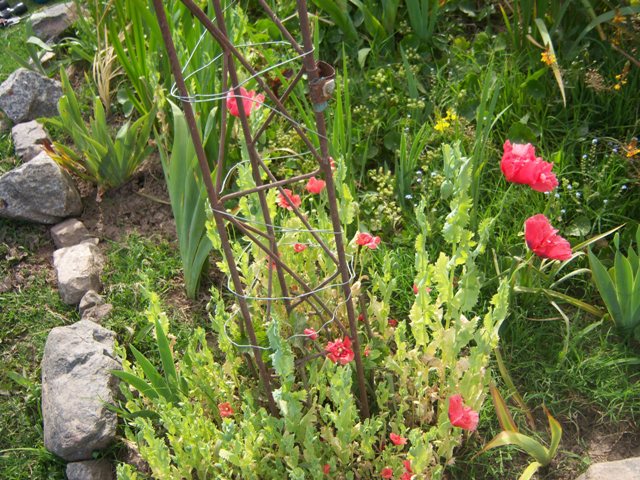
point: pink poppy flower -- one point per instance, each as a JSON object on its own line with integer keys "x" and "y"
{"x": 406, "y": 476}
{"x": 326, "y": 469}
{"x": 340, "y": 351}
{"x": 460, "y": 415}
{"x": 311, "y": 333}
{"x": 415, "y": 289}
{"x": 367, "y": 240}
{"x": 407, "y": 466}
{"x": 386, "y": 472}
{"x": 332, "y": 162}
{"x": 367, "y": 351}
{"x": 519, "y": 164}
{"x": 284, "y": 202}
{"x": 315, "y": 186}
{"x": 541, "y": 237}
{"x": 250, "y": 101}
{"x": 225, "y": 409}
{"x": 393, "y": 322}
{"x": 361, "y": 317}
{"x": 397, "y": 439}
{"x": 299, "y": 247}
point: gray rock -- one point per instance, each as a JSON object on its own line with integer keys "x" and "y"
{"x": 27, "y": 95}
{"x": 628, "y": 469}
{"x": 77, "y": 386}
{"x": 98, "y": 313}
{"x": 78, "y": 270}
{"x": 49, "y": 23}
{"x": 89, "y": 300}
{"x": 90, "y": 470}
{"x": 27, "y": 139}
{"x": 71, "y": 232}
{"x": 38, "y": 191}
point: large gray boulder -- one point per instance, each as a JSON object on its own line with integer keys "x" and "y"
{"x": 78, "y": 269}
{"x": 28, "y": 138}
{"x": 628, "y": 469}
{"x": 27, "y": 95}
{"x": 49, "y": 23}
{"x": 38, "y": 191}
{"x": 77, "y": 386}
{"x": 90, "y": 470}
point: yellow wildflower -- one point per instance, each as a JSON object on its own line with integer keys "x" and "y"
{"x": 441, "y": 125}
{"x": 548, "y": 58}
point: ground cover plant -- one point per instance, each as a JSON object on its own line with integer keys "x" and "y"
{"x": 484, "y": 154}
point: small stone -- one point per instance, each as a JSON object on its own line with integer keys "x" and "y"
{"x": 77, "y": 387}
{"x": 38, "y": 191}
{"x": 71, "y": 232}
{"x": 90, "y": 300}
{"x": 78, "y": 269}
{"x": 28, "y": 138}
{"x": 98, "y": 313}
{"x": 49, "y": 23}
{"x": 27, "y": 95}
{"x": 90, "y": 470}
{"x": 628, "y": 469}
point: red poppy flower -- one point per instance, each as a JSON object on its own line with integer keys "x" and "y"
{"x": 386, "y": 472}
{"x": 361, "y": 317}
{"x": 397, "y": 439}
{"x": 225, "y": 409}
{"x": 406, "y": 476}
{"x": 393, "y": 322}
{"x": 250, "y": 101}
{"x": 541, "y": 237}
{"x": 367, "y": 240}
{"x": 299, "y": 247}
{"x": 415, "y": 289}
{"x": 315, "y": 186}
{"x": 311, "y": 333}
{"x": 460, "y": 415}
{"x": 520, "y": 165}
{"x": 407, "y": 466}
{"x": 340, "y": 351}
{"x": 284, "y": 202}
{"x": 367, "y": 351}
{"x": 326, "y": 469}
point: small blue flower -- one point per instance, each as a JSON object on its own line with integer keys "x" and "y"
{"x": 557, "y": 195}
{"x": 585, "y": 156}
{"x": 408, "y": 196}
{"x": 433, "y": 174}
{"x": 569, "y": 187}
{"x": 594, "y": 141}
{"x": 615, "y": 150}
{"x": 419, "y": 172}
{"x": 605, "y": 201}
{"x": 623, "y": 187}
{"x": 563, "y": 211}
{"x": 578, "y": 194}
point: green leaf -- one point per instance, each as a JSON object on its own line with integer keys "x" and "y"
{"x": 524, "y": 442}
{"x": 502, "y": 411}
{"x": 605, "y": 287}
{"x": 556, "y": 433}
{"x": 530, "y": 470}
{"x": 166, "y": 356}
{"x": 138, "y": 383}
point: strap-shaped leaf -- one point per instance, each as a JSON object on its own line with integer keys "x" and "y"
{"x": 166, "y": 356}
{"x": 157, "y": 380}
{"x": 524, "y": 442}
{"x": 502, "y": 411}
{"x": 530, "y": 470}
{"x": 624, "y": 286}
{"x": 605, "y": 287}
{"x": 556, "y": 433}
{"x": 136, "y": 382}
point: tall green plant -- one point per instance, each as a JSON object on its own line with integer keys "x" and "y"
{"x": 102, "y": 159}
{"x": 188, "y": 197}
{"x": 619, "y": 286}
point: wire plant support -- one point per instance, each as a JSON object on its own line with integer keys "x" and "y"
{"x": 320, "y": 78}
